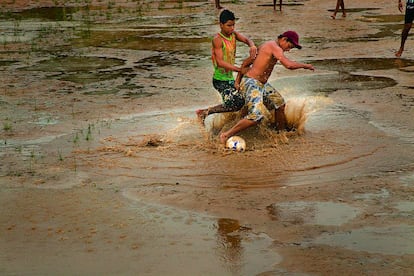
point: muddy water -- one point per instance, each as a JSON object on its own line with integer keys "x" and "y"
{"x": 98, "y": 102}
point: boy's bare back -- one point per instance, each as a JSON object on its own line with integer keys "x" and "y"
{"x": 265, "y": 61}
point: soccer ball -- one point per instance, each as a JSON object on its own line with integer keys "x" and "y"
{"x": 236, "y": 143}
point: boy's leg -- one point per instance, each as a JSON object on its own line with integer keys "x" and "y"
{"x": 338, "y": 3}
{"x": 232, "y": 100}
{"x": 404, "y": 36}
{"x": 280, "y": 5}
{"x": 408, "y": 22}
{"x": 343, "y": 8}
{"x": 275, "y": 103}
{"x": 280, "y": 118}
{"x": 239, "y": 126}
{"x": 203, "y": 113}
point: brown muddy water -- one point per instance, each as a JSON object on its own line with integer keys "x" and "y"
{"x": 105, "y": 169}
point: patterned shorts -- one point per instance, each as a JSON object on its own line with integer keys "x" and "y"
{"x": 232, "y": 99}
{"x": 260, "y": 98}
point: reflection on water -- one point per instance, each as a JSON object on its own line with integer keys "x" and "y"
{"x": 238, "y": 246}
{"x": 229, "y": 242}
{"x": 230, "y": 249}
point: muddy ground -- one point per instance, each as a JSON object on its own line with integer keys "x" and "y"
{"x": 105, "y": 169}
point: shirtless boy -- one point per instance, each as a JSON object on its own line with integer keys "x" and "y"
{"x": 260, "y": 95}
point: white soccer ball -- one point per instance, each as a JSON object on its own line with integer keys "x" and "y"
{"x": 236, "y": 143}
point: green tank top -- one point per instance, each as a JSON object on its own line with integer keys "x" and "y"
{"x": 229, "y": 55}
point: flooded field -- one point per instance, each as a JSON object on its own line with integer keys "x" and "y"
{"x": 104, "y": 164}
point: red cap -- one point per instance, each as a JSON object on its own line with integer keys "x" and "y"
{"x": 293, "y": 37}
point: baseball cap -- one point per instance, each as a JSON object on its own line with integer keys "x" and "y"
{"x": 293, "y": 37}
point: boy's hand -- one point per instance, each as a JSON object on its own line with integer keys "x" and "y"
{"x": 400, "y": 5}
{"x": 237, "y": 86}
{"x": 310, "y": 67}
{"x": 253, "y": 52}
{"x": 244, "y": 70}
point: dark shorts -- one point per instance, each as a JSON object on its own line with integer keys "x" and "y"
{"x": 409, "y": 14}
{"x": 232, "y": 99}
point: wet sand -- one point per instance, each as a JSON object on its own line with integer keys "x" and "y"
{"x": 105, "y": 169}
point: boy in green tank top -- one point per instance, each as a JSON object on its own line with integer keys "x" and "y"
{"x": 223, "y": 54}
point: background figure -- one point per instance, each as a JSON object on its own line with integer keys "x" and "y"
{"x": 218, "y": 4}
{"x": 280, "y": 5}
{"x": 408, "y": 22}
{"x": 341, "y": 4}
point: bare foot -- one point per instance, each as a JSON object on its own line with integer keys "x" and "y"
{"x": 202, "y": 114}
{"x": 333, "y": 16}
{"x": 399, "y": 53}
{"x": 223, "y": 138}
{"x": 344, "y": 15}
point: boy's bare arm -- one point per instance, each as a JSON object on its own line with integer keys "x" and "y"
{"x": 293, "y": 65}
{"x": 243, "y": 70}
{"x": 242, "y": 38}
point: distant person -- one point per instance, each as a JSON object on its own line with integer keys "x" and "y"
{"x": 261, "y": 97}
{"x": 339, "y": 4}
{"x": 408, "y": 22}
{"x": 223, "y": 56}
{"x": 218, "y": 6}
{"x": 280, "y": 5}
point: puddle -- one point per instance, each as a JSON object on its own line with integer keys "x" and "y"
{"x": 226, "y": 245}
{"x": 346, "y": 78}
{"x": 232, "y": 246}
{"x": 155, "y": 40}
{"x": 6, "y": 63}
{"x": 385, "y": 31}
{"x": 384, "y": 193}
{"x": 349, "y": 65}
{"x": 404, "y": 133}
{"x": 329, "y": 83}
{"x": 75, "y": 64}
{"x": 383, "y": 18}
{"x": 408, "y": 180}
{"x": 91, "y": 77}
{"x": 354, "y": 10}
{"x": 45, "y": 13}
{"x": 317, "y": 213}
{"x": 291, "y": 4}
{"x": 405, "y": 206}
{"x": 82, "y": 69}
{"x": 393, "y": 240}
{"x": 88, "y": 69}
{"x": 46, "y": 119}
